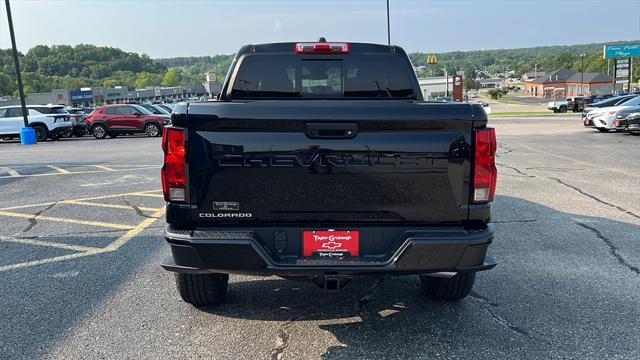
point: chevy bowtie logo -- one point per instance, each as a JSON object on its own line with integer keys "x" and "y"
{"x": 332, "y": 245}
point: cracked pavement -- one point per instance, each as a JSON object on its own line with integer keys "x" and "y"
{"x": 566, "y": 285}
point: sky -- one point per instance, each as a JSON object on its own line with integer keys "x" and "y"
{"x": 162, "y": 28}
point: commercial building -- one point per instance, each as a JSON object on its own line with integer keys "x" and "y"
{"x": 101, "y": 95}
{"x": 564, "y": 82}
{"x": 493, "y": 83}
{"x": 435, "y": 86}
{"x": 530, "y": 76}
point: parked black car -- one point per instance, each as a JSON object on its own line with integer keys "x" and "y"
{"x": 629, "y": 122}
{"x": 80, "y": 123}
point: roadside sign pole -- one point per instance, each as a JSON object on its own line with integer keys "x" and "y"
{"x": 630, "y": 76}
{"x": 27, "y": 134}
{"x": 615, "y": 70}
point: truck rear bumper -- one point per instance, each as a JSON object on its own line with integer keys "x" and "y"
{"x": 241, "y": 252}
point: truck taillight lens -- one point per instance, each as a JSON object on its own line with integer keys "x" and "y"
{"x": 322, "y": 48}
{"x": 174, "y": 173}
{"x": 485, "y": 173}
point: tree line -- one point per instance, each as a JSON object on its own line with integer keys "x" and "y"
{"x": 45, "y": 68}
{"x": 486, "y": 63}
{"x": 62, "y": 66}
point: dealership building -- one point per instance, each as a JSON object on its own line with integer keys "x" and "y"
{"x": 93, "y": 96}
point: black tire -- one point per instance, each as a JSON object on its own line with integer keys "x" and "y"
{"x": 563, "y": 109}
{"x": 99, "y": 131}
{"x": 555, "y": 111}
{"x": 152, "y": 130}
{"x": 202, "y": 289}
{"x": 449, "y": 289}
{"x": 603, "y": 130}
{"x": 41, "y": 132}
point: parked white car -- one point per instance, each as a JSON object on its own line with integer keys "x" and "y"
{"x": 51, "y": 126}
{"x": 603, "y": 118}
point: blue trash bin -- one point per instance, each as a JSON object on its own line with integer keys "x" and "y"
{"x": 28, "y": 136}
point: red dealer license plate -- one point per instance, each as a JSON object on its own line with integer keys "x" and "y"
{"x": 330, "y": 243}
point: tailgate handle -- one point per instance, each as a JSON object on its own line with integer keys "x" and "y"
{"x": 331, "y": 130}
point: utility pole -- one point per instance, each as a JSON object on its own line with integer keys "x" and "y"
{"x": 446, "y": 76}
{"x": 582, "y": 74}
{"x": 27, "y": 135}
{"x": 388, "y": 26}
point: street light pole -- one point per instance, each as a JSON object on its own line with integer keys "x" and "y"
{"x": 388, "y": 26}
{"x": 582, "y": 74}
{"x": 16, "y": 63}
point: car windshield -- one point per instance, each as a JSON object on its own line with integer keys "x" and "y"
{"x": 142, "y": 110}
{"x": 160, "y": 110}
{"x": 631, "y": 102}
{"x": 611, "y": 101}
{"x": 151, "y": 108}
{"x": 58, "y": 110}
{"x": 295, "y": 76}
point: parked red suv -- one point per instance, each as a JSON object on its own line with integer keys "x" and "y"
{"x": 114, "y": 120}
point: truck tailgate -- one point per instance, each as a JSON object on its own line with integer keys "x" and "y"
{"x": 328, "y": 162}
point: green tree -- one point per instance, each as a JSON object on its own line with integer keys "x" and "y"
{"x": 110, "y": 83}
{"x": 145, "y": 79}
{"x": 170, "y": 79}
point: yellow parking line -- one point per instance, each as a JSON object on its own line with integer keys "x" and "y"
{"x": 81, "y": 172}
{"x": 52, "y": 244}
{"x": 104, "y": 167}
{"x": 110, "y": 248}
{"x": 135, "y": 231}
{"x": 113, "y": 206}
{"x": 81, "y": 199}
{"x": 65, "y": 220}
{"x": 28, "y": 206}
{"x": 58, "y": 169}
{"x": 48, "y": 260}
{"x": 116, "y": 195}
{"x": 147, "y": 195}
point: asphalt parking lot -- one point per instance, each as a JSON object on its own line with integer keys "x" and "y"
{"x": 80, "y": 238}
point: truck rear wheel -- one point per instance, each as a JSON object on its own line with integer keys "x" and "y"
{"x": 449, "y": 289}
{"x": 202, "y": 289}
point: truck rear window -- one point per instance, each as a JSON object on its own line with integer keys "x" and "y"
{"x": 322, "y": 77}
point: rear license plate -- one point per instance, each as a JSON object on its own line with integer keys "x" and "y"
{"x": 330, "y": 243}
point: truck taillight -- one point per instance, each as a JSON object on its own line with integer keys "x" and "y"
{"x": 174, "y": 173}
{"x": 485, "y": 173}
{"x": 322, "y": 48}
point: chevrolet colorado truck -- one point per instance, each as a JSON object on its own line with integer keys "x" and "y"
{"x": 322, "y": 162}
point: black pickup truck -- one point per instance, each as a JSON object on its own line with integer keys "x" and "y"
{"x": 321, "y": 161}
